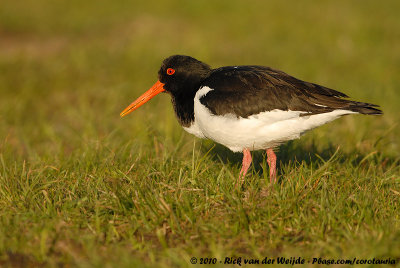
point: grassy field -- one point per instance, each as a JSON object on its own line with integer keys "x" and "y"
{"x": 81, "y": 187}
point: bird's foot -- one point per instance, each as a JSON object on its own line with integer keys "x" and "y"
{"x": 245, "y": 166}
{"x": 240, "y": 180}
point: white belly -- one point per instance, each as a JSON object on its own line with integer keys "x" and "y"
{"x": 260, "y": 131}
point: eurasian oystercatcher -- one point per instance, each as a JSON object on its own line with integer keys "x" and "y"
{"x": 247, "y": 108}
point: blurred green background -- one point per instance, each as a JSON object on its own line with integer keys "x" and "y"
{"x": 68, "y": 68}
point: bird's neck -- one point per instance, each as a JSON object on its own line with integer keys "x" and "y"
{"x": 183, "y": 97}
{"x": 184, "y": 107}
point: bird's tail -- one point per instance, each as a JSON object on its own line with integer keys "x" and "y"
{"x": 365, "y": 108}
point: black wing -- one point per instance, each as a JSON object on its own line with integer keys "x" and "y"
{"x": 249, "y": 90}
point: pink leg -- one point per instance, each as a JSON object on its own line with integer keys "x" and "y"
{"x": 245, "y": 166}
{"x": 271, "y": 159}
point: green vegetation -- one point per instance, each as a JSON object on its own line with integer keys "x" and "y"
{"x": 81, "y": 187}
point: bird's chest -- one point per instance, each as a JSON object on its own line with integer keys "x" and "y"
{"x": 194, "y": 129}
{"x": 184, "y": 110}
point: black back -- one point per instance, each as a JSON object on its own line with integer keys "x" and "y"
{"x": 248, "y": 90}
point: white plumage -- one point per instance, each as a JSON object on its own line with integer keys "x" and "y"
{"x": 260, "y": 131}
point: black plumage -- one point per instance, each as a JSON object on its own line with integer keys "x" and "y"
{"x": 247, "y": 90}
{"x": 183, "y": 85}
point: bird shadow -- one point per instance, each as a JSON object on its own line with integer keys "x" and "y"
{"x": 290, "y": 152}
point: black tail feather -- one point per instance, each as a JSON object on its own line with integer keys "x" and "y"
{"x": 365, "y": 108}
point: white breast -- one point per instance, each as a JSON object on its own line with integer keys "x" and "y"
{"x": 195, "y": 130}
{"x": 260, "y": 131}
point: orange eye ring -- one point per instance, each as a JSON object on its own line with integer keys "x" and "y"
{"x": 170, "y": 71}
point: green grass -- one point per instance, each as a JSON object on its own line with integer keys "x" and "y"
{"x": 81, "y": 187}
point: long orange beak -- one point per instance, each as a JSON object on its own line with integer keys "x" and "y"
{"x": 154, "y": 90}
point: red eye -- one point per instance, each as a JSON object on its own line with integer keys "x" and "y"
{"x": 170, "y": 71}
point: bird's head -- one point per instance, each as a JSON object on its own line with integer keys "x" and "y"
{"x": 178, "y": 75}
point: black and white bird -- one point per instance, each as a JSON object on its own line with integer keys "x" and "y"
{"x": 247, "y": 108}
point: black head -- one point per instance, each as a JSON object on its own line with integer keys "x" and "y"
{"x": 181, "y": 73}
